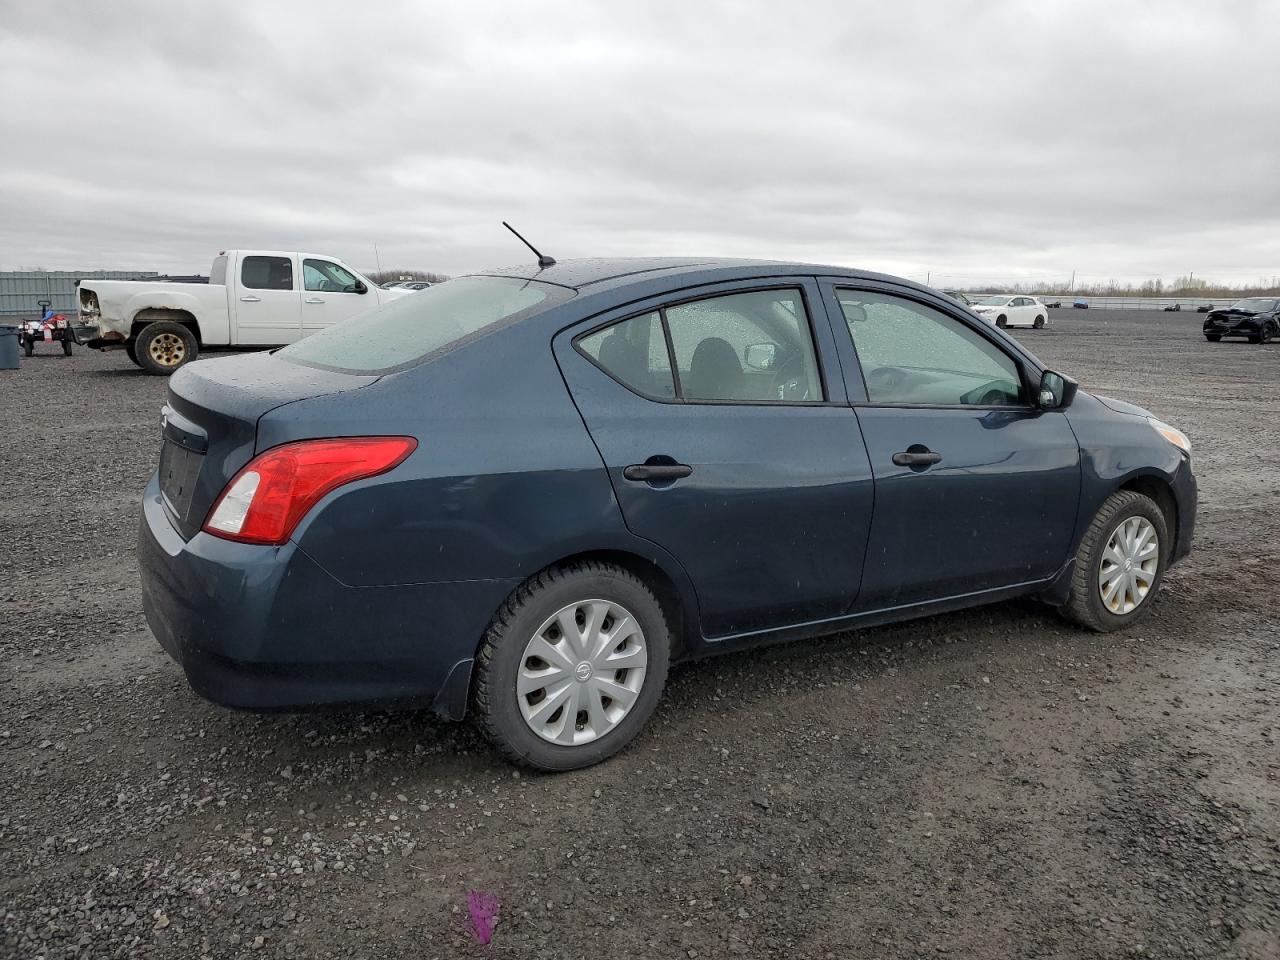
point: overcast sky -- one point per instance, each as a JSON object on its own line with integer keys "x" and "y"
{"x": 974, "y": 141}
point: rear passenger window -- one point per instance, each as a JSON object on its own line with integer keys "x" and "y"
{"x": 745, "y": 346}
{"x": 267, "y": 273}
{"x": 634, "y": 352}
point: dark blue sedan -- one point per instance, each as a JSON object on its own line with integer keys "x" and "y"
{"x": 527, "y": 492}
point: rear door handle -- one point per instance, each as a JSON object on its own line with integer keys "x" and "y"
{"x": 913, "y": 458}
{"x": 657, "y": 472}
{"x": 250, "y": 299}
{"x": 313, "y": 300}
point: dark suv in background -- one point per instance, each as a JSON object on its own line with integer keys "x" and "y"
{"x": 1255, "y": 318}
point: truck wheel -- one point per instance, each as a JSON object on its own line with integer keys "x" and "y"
{"x": 164, "y": 346}
{"x": 28, "y": 346}
{"x": 131, "y": 348}
{"x": 66, "y": 348}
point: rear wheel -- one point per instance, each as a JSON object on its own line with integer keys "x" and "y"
{"x": 1119, "y": 564}
{"x": 1002, "y": 321}
{"x": 66, "y": 348}
{"x": 28, "y": 346}
{"x": 163, "y": 347}
{"x": 1039, "y": 323}
{"x": 572, "y": 666}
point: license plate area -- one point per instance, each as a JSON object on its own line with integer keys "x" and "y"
{"x": 179, "y": 468}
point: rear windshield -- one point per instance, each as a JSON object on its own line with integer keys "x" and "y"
{"x": 417, "y": 326}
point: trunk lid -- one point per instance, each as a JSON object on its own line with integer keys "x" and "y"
{"x": 210, "y": 424}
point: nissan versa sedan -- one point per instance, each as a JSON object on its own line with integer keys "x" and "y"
{"x": 1257, "y": 319}
{"x": 523, "y": 494}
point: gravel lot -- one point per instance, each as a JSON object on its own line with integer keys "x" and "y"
{"x": 988, "y": 784}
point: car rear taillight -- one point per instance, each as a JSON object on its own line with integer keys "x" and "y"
{"x": 264, "y": 502}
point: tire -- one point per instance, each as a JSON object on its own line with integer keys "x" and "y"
{"x": 1002, "y": 322}
{"x": 1268, "y": 332}
{"x": 66, "y": 348}
{"x": 1213, "y": 337}
{"x": 163, "y": 347}
{"x": 131, "y": 352}
{"x": 28, "y": 346}
{"x": 1086, "y": 605}
{"x": 1039, "y": 323}
{"x": 530, "y": 613}
{"x": 1255, "y": 338}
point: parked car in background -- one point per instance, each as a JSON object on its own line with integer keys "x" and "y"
{"x": 1012, "y": 310}
{"x": 1080, "y": 303}
{"x": 414, "y": 285}
{"x": 679, "y": 458}
{"x": 1054, "y": 304}
{"x": 1175, "y": 308}
{"x": 1257, "y": 319}
{"x": 253, "y": 298}
{"x": 1204, "y": 308}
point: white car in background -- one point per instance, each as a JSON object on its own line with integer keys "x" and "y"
{"x": 1012, "y": 310}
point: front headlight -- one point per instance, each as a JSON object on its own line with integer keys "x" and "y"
{"x": 1172, "y": 434}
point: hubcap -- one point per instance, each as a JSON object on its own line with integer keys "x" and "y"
{"x": 582, "y": 672}
{"x": 167, "y": 349}
{"x": 1129, "y": 565}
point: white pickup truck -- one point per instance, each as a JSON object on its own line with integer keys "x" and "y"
{"x": 253, "y": 298}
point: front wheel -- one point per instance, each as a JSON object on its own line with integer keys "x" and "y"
{"x": 1213, "y": 337}
{"x": 28, "y": 346}
{"x": 572, "y": 666}
{"x": 1119, "y": 564}
{"x": 163, "y": 347}
{"x": 1267, "y": 333}
{"x": 1002, "y": 322}
{"x": 66, "y": 348}
{"x": 1039, "y": 323}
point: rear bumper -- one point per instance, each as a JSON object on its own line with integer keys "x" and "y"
{"x": 266, "y": 628}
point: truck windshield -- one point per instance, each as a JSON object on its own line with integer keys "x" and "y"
{"x": 413, "y": 328}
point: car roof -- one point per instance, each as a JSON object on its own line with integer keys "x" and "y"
{"x": 599, "y": 274}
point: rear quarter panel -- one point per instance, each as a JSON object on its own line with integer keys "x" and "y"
{"x": 505, "y": 479}
{"x": 120, "y": 301}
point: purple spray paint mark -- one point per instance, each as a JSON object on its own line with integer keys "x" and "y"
{"x": 483, "y": 908}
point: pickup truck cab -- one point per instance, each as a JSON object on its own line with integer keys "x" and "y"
{"x": 253, "y": 298}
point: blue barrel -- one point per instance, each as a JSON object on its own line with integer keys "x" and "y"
{"x": 8, "y": 347}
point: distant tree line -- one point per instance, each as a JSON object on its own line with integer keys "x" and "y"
{"x": 1188, "y": 286}
{"x": 382, "y": 276}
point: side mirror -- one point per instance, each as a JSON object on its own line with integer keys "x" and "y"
{"x": 1056, "y": 391}
{"x": 360, "y": 287}
{"x": 760, "y": 356}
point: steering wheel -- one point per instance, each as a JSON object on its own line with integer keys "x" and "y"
{"x": 790, "y": 380}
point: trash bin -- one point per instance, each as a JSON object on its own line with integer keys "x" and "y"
{"x": 8, "y": 347}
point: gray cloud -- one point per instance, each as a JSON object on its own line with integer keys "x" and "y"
{"x": 971, "y": 140}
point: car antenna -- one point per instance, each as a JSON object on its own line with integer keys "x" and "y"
{"x": 543, "y": 259}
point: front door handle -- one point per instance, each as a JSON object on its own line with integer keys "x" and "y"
{"x": 250, "y": 299}
{"x": 313, "y": 300}
{"x": 657, "y": 472}
{"x": 917, "y": 458}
